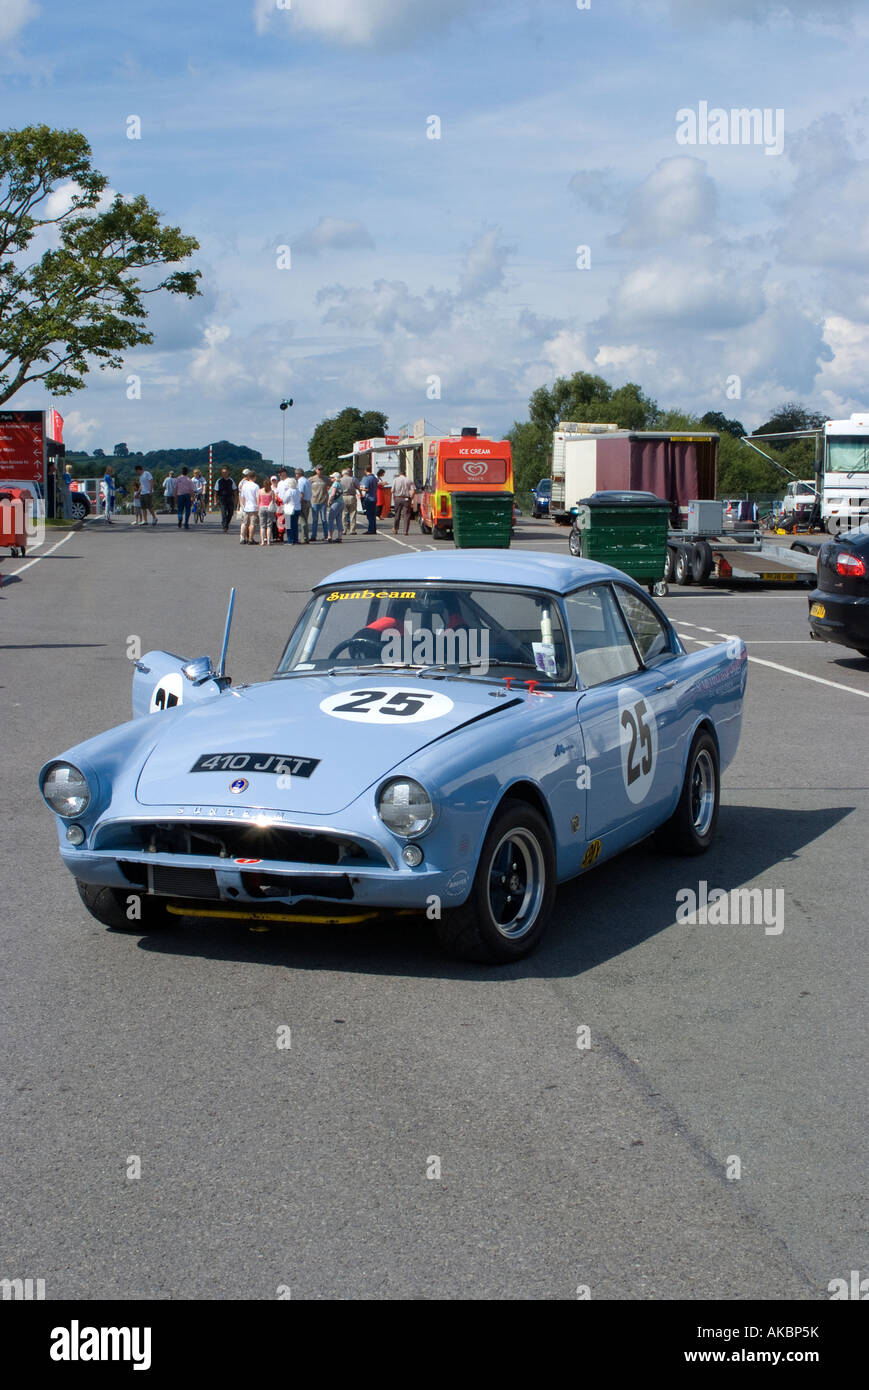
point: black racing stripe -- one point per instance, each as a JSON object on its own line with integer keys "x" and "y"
{"x": 475, "y": 719}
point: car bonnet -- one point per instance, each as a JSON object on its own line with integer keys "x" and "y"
{"x": 307, "y": 744}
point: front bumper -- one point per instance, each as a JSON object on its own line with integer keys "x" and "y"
{"x": 845, "y": 620}
{"x": 383, "y": 881}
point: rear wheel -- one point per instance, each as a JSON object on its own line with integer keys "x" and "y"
{"x": 702, "y": 561}
{"x": 670, "y": 563}
{"x": 682, "y": 570}
{"x": 124, "y": 909}
{"x": 511, "y": 900}
{"x": 691, "y": 828}
{"x": 574, "y": 542}
{"x": 438, "y": 533}
{"x": 426, "y": 530}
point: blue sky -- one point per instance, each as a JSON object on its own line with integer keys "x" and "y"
{"x": 714, "y": 269}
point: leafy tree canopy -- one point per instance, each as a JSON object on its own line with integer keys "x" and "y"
{"x": 82, "y": 300}
{"x": 336, "y": 436}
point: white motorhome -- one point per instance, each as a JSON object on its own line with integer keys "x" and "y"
{"x": 845, "y": 496}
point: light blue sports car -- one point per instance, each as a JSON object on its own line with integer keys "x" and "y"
{"x": 446, "y": 735}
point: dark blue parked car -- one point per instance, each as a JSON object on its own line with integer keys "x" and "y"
{"x": 541, "y": 495}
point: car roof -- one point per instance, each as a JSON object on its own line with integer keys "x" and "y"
{"x": 532, "y": 569}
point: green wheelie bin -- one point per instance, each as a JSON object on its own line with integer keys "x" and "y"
{"x": 627, "y": 530}
{"x": 482, "y": 520}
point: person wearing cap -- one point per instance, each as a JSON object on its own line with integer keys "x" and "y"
{"x": 350, "y": 493}
{"x": 248, "y": 497}
{"x": 335, "y": 508}
{"x": 319, "y": 509}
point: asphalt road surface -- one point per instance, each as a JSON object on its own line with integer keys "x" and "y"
{"x": 713, "y": 1049}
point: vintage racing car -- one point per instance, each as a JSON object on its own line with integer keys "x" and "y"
{"x": 448, "y": 735}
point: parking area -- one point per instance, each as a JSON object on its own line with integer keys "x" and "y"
{"x": 708, "y": 1141}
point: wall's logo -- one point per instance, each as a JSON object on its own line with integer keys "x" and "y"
{"x": 473, "y": 470}
{"x": 240, "y": 784}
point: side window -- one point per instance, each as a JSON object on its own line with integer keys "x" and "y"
{"x": 600, "y": 638}
{"x": 649, "y": 633}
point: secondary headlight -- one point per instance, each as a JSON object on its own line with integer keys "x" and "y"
{"x": 404, "y": 806}
{"x": 66, "y": 791}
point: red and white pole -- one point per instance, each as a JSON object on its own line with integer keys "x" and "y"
{"x": 210, "y": 469}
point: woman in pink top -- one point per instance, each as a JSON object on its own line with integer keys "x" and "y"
{"x": 267, "y": 509}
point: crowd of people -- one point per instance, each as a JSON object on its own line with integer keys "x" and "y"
{"x": 289, "y": 507}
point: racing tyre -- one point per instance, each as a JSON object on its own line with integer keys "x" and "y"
{"x": 682, "y": 569}
{"x": 702, "y": 561}
{"x": 109, "y": 906}
{"x": 691, "y": 828}
{"x": 511, "y": 900}
{"x": 574, "y": 542}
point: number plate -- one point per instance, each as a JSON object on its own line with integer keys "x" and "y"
{"x": 818, "y": 610}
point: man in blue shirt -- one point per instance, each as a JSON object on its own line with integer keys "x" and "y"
{"x": 368, "y": 489}
{"x": 304, "y": 486}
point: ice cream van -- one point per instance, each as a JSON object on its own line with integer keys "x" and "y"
{"x": 461, "y": 463}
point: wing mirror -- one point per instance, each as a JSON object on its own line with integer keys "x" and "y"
{"x": 199, "y": 670}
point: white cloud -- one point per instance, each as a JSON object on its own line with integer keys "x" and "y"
{"x": 677, "y": 199}
{"x": 484, "y": 266}
{"x": 334, "y": 233}
{"x": 359, "y": 23}
{"x": 79, "y": 429}
{"x": 698, "y": 291}
{"x": 14, "y": 15}
{"x": 843, "y": 379}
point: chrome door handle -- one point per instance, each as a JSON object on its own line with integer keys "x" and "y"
{"x": 668, "y": 685}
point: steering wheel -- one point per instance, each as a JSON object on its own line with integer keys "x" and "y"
{"x": 361, "y": 645}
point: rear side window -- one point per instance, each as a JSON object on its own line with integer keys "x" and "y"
{"x": 601, "y": 641}
{"x": 649, "y": 633}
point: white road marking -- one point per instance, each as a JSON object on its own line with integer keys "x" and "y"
{"x": 405, "y": 544}
{"x": 788, "y": 670}
{"x": 35, "y": 561}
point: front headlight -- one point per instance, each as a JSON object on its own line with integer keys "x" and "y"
{"x": 405, "y": 807}
{"x": 65, "y": 790}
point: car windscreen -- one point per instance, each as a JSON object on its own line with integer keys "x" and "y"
{"x": 472, "y": 631}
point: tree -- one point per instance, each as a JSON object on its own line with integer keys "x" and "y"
{"x": 121, "y": 451}
{"x": 99, "y": 453}
{"x": 716, "y": 420}
{"x": 590, "y": 399}
{"x": 336, "y": 436}
{"x": 81, "y": 300}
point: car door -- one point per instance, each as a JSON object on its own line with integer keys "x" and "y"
{"x": 626, "y": 711}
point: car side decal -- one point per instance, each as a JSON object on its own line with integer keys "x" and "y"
{"x": 638, "y": 734}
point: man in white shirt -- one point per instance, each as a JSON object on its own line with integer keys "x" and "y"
{"x": 248, "y": 494}
{"x": 146, "y": 486}
{"x": 169, "y": 484}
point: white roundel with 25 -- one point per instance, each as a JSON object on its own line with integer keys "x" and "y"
{"x": 168, "y": 691}
{"x": 638, "y": 738}
{"x": 387, "y": 704}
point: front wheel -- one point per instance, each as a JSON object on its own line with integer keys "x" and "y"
{"x": 511, "y": 900}
{"x": 691, "y": 828}
{"x": 123, "y": 909}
